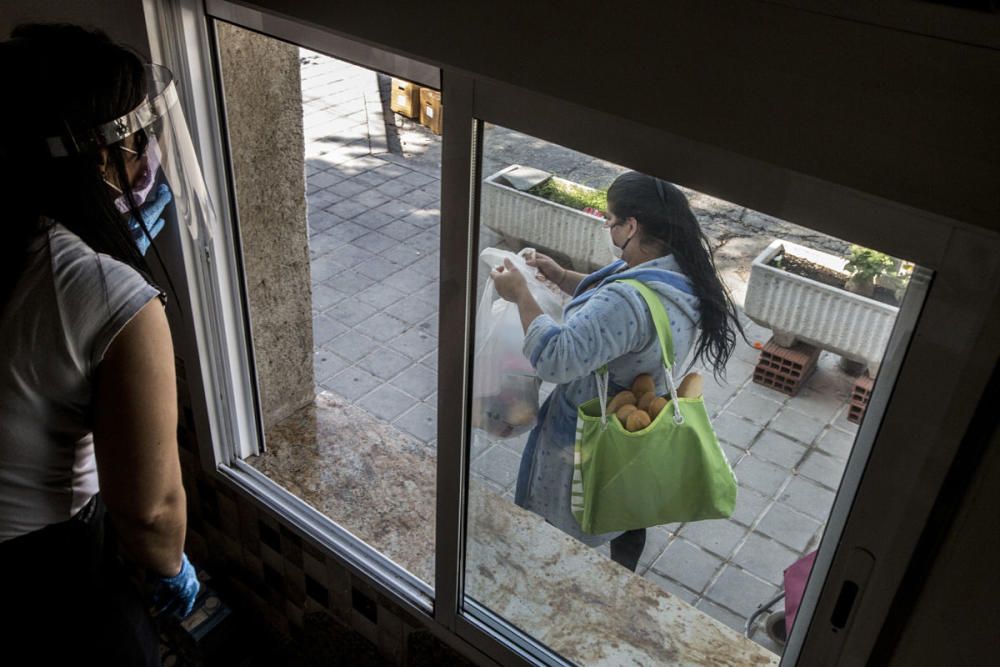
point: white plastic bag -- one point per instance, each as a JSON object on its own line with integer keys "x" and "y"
{"x": 505, "y": 388}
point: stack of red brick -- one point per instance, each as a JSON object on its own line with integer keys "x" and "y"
{"x": 785, "y": 369}
{"x": 859, "y": 398}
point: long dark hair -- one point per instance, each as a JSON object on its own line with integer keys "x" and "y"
{"x": 665, "y": 217}
{"x": 58, "y": 80}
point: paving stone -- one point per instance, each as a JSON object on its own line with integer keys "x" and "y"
{"x": 378, "y": 268}
{"x": 421, "y": 198}
{"x": 480, "y": 444}
{"x": 352, "y": 383}
{"x": 403, "y": 255}
{"x": 429, "y": 266}
{"x": 756, "y": 408}
{"x": 417, "y": 380}
{"x": 350, "y": 282}
{"x": 430, "y": 325}
{"x": 325, "y": 329}
{"x": 841, "y": 422}
{"x": 431, "y": 361}
{"x": 372, "y": 219}
{"x": 765, "y": 478}
{"x": 386, "y": 402}
{"x": 818, "y": 405}
{"x": 320, "y": 220}
{"x": 739, "y": 591}
{"x": 765, "y": 558}
{"x": 324, "y": 268}
{"x": 837, "y": 443}
{"x": 326, "y": 364}
{"x": 370, "y": 199}
{"x": 670, "y": 586}
{"x": 323, "y": 179}
{"x": 721, "y": 614}
{"x": 417, "y": 179}
{"x": 384, "y": 363}
{"x": 324, "y": 296}
{"x": 797, "y": 425}
{"x": 717, "y": 394}
{"x": 323, "y": 243}
{"x": 390, "y": 171}
{"x": 733, "y": 454}
{"x": 719, "y": 536}
{"x": 749, "y": 505}
{"x": 824, "y": 469}
{"x": 395, "y": 208}
{"x": 425, "y": 218}
{"x": 380, "y": 295}
{"x": 345, "y": 232}
{"x": 429, "y": 292}
{"x": 420, "y": 422}
{"x": 401, "y": 231}
{"x": 395, "y": 189}
{"x": 348, "y": 189}
{"x": 687, "y": 564}
{"x": 657, "y": 539}
{"x": 347, "y": 209}
{"x": 789, "y": 527}
{"x": 371, "y": 180}
{"x": 352, "y": 345}
{"x": 428, "y": 241}
{"x": 411, "y": 310}
{"x": 318, "y": 201}
{"x": 414, "y": 344}
{"x": 383, "y": 327}
{"x": 498, "y": 465}
{"x": 351, "y": 313}
{"x": 735, "y": 430}
{"x": 374, "y": 242}
{"x": 776, "y": 448}
{"x": 808, "y": 498}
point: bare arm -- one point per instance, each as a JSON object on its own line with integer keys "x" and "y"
{"x": 135, "y": 441}
{"x": 570, "y": 280}
{"x": 564, "y": 279}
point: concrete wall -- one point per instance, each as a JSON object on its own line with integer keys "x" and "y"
{"x": 264, "y": 113}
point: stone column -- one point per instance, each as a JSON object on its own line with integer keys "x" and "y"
{"x": 264, "y": 114}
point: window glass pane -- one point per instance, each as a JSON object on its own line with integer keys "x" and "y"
{"x": 785, "y": 405}
{"x": 338, "y": 201}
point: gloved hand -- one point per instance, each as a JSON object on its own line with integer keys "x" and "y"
{"x": 151, "y": 212}
{"x": 177, "y": 593}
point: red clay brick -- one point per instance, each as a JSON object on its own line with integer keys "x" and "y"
{"x": 785, "y": 369}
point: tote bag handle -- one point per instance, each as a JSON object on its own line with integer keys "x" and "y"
{"x": 661, "y": 322}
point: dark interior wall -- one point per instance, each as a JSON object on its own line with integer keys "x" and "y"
{"x": 889, "y": 111}
{"x": 121, "y": 19}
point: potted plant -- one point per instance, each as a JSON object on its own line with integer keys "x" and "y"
{"x": 535, "y": 208}
{"x": 865, "y": 265}
{"x": 799, "y": 293}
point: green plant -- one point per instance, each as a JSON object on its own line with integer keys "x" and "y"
{"x": 570, "y": 195}
{"x": 865, "y": 264}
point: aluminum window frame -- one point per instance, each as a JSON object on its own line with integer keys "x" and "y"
{"x": 953, "y": 303}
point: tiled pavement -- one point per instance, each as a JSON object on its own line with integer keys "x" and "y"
{"x": 373, "y": 226}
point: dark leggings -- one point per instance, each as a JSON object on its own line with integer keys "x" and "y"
{"x": 627, "y": 547}
{"x": 67, "y": 600}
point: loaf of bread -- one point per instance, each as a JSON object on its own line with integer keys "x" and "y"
{"x": 642, "y": 384}
{"x": 621, "y": 398}
{"x": 645, "y": 400}
{"x": 624, "y": 411}
{"x": 691, "y": 386}
{"x": 656, "y": 406}
{"x": 637, "y": 421}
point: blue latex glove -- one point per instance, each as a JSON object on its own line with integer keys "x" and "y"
{"x": 177, "y": 593}
{"x": 151, "y": 212}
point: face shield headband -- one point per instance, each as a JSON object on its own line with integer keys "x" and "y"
{"x": 163, "y": 96}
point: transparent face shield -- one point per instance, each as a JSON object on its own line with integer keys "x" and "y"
{"x": 159, "y": 158}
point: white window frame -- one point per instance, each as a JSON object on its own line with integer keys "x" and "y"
{"x": 951, "y": 320}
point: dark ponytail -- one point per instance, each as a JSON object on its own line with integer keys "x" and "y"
{"x": 59, "y": 80}
{"x": 665, "y": 218}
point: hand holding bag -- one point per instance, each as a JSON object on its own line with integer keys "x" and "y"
{"x": 671, "y": 471}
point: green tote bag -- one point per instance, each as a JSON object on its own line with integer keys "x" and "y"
{"x": 671, "y": 471}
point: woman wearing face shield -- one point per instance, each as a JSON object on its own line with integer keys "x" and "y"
{"x": 653, "y": 231}
{"x": 90, "y": 482}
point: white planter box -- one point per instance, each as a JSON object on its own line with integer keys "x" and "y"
{"x": 797, "y": 308}
{"x": 543, "y": 224}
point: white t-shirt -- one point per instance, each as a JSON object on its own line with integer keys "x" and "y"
{"x": 65, "y": 310}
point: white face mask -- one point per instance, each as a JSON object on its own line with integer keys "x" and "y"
{"x": 615, "y": 250}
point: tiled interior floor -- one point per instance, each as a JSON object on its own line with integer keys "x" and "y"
{"x": 374, "y": 234}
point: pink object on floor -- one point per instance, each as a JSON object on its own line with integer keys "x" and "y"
{"x": 795, "y": 585}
